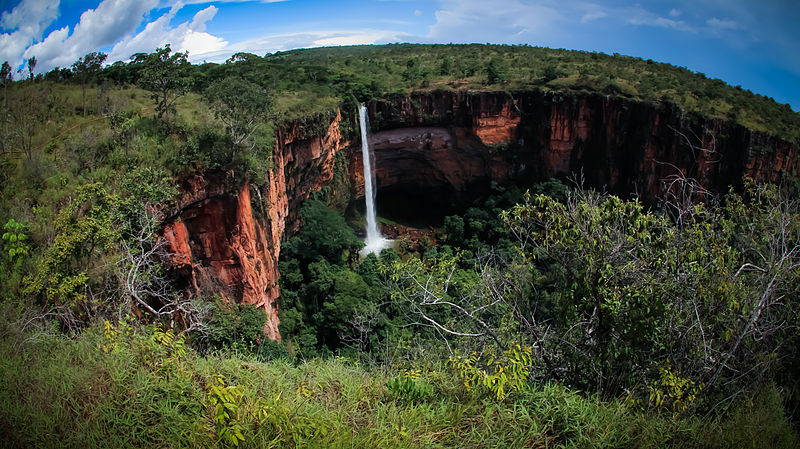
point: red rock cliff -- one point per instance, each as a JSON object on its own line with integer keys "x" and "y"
{"x": 221, "y": 246}
{"x": 443, "y": 146}
{"x": 456, "y": 140}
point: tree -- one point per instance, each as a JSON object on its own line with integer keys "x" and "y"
{"x": 31, "y": 66}
{"x": 324, "y": 235}
{"x": 85, "y": 229}
{"x": 6, "y": 75}
{"x": 619, "y": 298}
{"x": 242, "y": 106}
{"x": 165, "y": 74}
{"x": 445, "y": 299}
{"x": 497, "y": 71}
{"x": 86, "y": 69}
{"x": 27, "y": 109}
{"x": 143, "y": 280}
{"x": 446, "y": 68}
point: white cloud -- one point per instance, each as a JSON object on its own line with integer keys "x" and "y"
{"x": 172, "y": 3}
{"x": 289, "y": 41}
{"x": 355, "y": 38}
{"x": 723, "y": 24}
{"x": 643, "y": 17}
{"x": 110, "y": 21}
{"x": 199, "y": 20}
{"x": 675, "y": 12}
{"x": 594, "y": 15}
{"x": 187, "y": 36}
{"x": 30, "y": 16}
{"x": 514, "y": 21}
{"x": 199, "y": 44}
{"x": 417, "y": 12}
{"x": 26, "y": 23}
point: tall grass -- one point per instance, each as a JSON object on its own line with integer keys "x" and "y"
{"x": 132, "y": 390}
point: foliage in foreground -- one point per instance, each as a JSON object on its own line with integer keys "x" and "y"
{"x": 126, "y": 386}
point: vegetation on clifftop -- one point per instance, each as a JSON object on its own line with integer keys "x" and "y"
{"x": 377, "y": 71}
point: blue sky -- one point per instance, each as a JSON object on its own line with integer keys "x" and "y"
{"x": 754, "y": 44}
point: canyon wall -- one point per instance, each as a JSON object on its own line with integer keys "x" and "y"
{"x": 459, "y": 142}
{"x": 224, "y": 233}
{"x": 438, "y": 148}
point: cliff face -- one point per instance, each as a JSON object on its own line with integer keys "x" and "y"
{"x": 458, "y": 140}
{"x": 433, "y": 149}
{"x": 221, "y": 246}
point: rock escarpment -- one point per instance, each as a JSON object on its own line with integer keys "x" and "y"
{"x": 226, "y": 243}
{"x": 440, "y": 147}
{"x": 457, "y": 140}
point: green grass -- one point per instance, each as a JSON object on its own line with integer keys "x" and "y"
{"x": 378, "y": 71}
{"x": 134, "y": 392}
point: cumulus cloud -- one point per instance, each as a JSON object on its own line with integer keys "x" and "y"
{"x": 25, "y": 23}
{"x": 110, "y": 21}
{"x": 187, "y": 36}
{"x": 30, "y": 16}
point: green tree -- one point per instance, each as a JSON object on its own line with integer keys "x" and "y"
{"x": 85, "y": 69}
{"x": 629, "y": 298}
{"x": 323, "y": 235}
{"x": 165, "y": 74}
{"x": 85, "y": 229}
{"x": 31, "y": 66}
{"x": 497, "y": 71}
{"x": 603, "y": 255}
{"x": 15, "y": 241}
{"x": 446, "y": 68}
{"x": 5, "y": 77}
{"x": 16, "y": 252}
{"x": 243, "y": 107}
{"x": 551, "y": 72}
{"x": 27, "y": 110}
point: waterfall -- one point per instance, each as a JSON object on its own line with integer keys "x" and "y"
{"x": 374, "y": 241}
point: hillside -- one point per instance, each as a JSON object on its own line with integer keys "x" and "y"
{"x": 377, "y": 71}
{"x": 616, "y": 236}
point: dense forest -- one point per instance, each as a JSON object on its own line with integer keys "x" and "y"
{"x": 542, "y": 315}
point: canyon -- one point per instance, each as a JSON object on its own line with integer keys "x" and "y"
{"x": 437, "y": 149}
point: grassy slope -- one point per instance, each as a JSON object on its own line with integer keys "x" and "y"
{"x": 88, "y": 392}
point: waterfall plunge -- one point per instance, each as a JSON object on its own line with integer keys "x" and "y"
{"x": 374, "y": 241}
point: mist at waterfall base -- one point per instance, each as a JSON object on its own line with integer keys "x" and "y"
{"x": 374, "y": 242}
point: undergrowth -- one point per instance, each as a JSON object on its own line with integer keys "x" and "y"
{"x": 123, "y": 386}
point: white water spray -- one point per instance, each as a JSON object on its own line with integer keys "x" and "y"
{"x": 374, "y": 241}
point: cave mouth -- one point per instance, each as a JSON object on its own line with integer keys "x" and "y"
{"x": 415, "y": 205}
